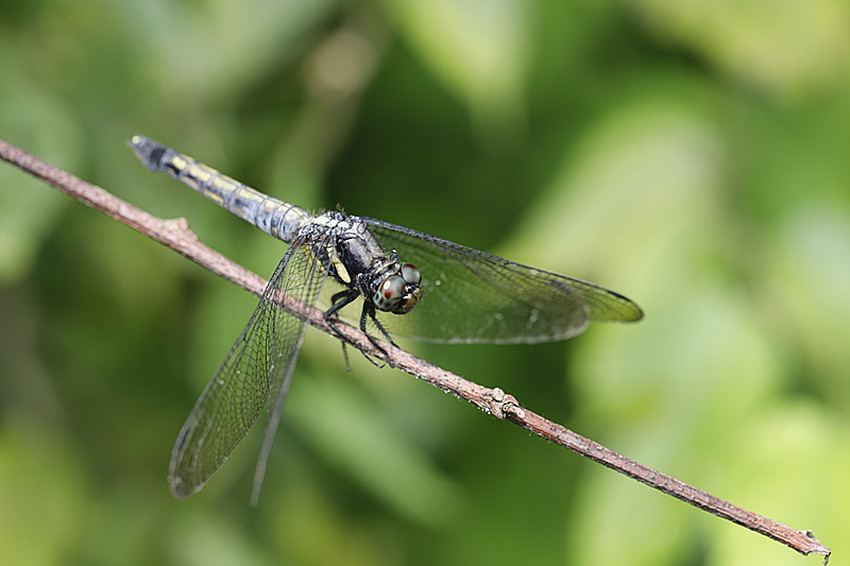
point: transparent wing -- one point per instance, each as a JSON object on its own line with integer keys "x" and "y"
{"x": 258, "y": 365}
{"x": 470, "y": 296}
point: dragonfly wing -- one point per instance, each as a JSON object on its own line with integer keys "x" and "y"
{"x": 470, "y": 296}
{"x": 259, "y": 365}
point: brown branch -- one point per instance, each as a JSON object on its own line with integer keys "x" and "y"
{"x": 178, "y": 236}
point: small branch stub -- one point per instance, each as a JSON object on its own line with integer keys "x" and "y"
{"x": 503, "y": 405}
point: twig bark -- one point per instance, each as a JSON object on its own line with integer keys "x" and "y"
{"x": 177, "y": 235}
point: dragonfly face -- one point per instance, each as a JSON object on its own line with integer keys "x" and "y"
{"x": 469, "y": 296}
{"x": 399, "y": 293}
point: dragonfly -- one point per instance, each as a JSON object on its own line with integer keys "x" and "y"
{"x": 411, "y": 284}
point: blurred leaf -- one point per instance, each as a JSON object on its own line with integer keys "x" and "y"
{"x": 348, "y": 432}
{"x": 811, "y": 264}
{"x": 477, "y": 48}
{"x": 787, "y": 47}
{"x": 634, "y": 182}
{"x": 212, "y": 49}
{"x": 210, "y": 541}
{"x": 42, "y": 494}
{"x": 41, "y": 123}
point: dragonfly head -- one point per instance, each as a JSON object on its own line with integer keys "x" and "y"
{"x": 400, "y": 292}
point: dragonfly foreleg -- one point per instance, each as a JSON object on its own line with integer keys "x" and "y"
{"x": 367, "y": 313}
{"x": 338, "y": 301}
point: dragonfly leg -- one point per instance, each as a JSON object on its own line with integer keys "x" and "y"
{"x": 338, "y": 301}
{"x": 343, "y": 343}
{"x": 367, "y": 313}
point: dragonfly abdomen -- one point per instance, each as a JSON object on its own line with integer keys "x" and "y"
{"x": 273, "y": 216}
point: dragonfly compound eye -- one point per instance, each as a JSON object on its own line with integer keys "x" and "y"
{"x": 397, "y": 294}
{"x": 411, "y": 273}
{"x": 389, "y": 293}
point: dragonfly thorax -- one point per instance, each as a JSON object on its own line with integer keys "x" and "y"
{"x": 358, "y": 261}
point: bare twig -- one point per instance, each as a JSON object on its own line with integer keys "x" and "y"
{"x": 178, "y": 236}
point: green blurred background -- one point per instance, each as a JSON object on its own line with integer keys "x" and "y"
{"x": 691, "y": 155}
